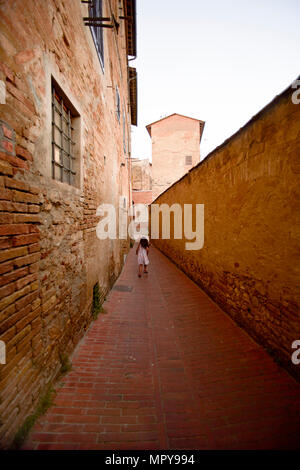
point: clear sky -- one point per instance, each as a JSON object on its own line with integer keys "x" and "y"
{"x": 220, "y": 61}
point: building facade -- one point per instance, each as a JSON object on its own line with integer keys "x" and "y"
{"x": 175, "y": 149}
{"x": 68, "y": 99}
{"x": 141, "y": 178}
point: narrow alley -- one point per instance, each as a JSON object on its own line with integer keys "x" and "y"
{"x": 164, "y": 368}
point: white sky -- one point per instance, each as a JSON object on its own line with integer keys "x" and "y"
{"x": 220, "y": 61}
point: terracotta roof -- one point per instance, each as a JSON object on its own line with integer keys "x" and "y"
{"x": 202, "y": 123}
{"x": 133, "y": 94}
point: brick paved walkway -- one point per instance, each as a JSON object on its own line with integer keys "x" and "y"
{"x": 165, "y": 368}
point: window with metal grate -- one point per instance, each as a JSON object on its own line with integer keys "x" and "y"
{"x": 96, "y": 11}
{"x": 63, "y": 159}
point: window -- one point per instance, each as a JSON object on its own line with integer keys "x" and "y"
{"x": 188, "y": 160}
{"x": 96, "y": 11}
{"x": 63, "y": 159}
{"x": 118, "y": 108}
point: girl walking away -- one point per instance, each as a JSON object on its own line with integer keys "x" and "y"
{"x": 142, "y": 254}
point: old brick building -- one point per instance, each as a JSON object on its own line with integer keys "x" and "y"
{"x": 68, "y": 99}
{"x": 141, "y": 180}
{"x": 175, "y": 149}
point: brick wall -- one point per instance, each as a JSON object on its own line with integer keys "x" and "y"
{"x": 250, "y": 260}
{"x": 141, "y": 175}
{"x": 50, "y": 256}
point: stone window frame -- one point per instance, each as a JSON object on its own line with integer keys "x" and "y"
{"x": 63, "y": 145}
{"x": 69, "y": 100}
{"x": 43, "y": 160}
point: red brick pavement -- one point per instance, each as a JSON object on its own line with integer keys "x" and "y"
{"x": 165, "y": 368}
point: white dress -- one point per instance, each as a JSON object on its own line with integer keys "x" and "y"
{"x": 142, "y": 256}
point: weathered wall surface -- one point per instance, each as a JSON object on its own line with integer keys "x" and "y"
{"x": 50, "y": 257}
{"x": 173, "y": 139}
{"x": 250, "y": 260}
{"x": 141, "y": 181}
{"x": 142, "y": 197}
{"x": 141, "y": 174}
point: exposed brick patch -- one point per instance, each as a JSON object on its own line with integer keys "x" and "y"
{"x": 5, "y": 168}
{"x": 13, "y": 229}
{"x": 7, "y": 138}
{"x": 15, "y": 161}
{"x": 23, "y": 153}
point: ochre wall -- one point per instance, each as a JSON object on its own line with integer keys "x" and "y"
{"x": 50, "y": 256}
{"x": 250, "y": 260}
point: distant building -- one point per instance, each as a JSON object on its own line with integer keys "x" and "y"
{"x": 141, "y": 181}
{"x": 175, "y": 149}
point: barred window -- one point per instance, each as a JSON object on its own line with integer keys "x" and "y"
{"x": 96, "y": 11}
{"x": 63, "y": 159}
{"x": 188, "y": 160}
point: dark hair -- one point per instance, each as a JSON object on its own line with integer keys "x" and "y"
{"x": 144, "y": 242}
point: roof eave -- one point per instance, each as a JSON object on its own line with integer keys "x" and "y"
{"x": 130, "y": 26}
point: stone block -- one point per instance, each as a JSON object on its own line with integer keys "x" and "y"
{"x": 28, "y": 299}
{"x": 23, "y": 153}
{"x": 15, "y": 184}
{"x": 13, "y": 276}
{"x": 34, "y": 248}
{"x": 26, "y": 260}
{"x": 12, "y": 253}
{"x": 25, "y": 239}
{"x": 5, "y": 194}
{"x": 6, "y": 267}
{"x": 15, "y": 161}
{"x": 5, "y": 169}
{"x": 13, "y": 229}
{"x": 5, "y": 242}
{"x": 6, "y": 218}
{"x": 6, "y": 290}
{"x": 14, "y": 318}
{"x": 14, "y": 297}
{"x": 20, "y": 196}
{"x": 21, "y": 218}
{"x": 13, "y": 206}
{"x": 20, "y": 283}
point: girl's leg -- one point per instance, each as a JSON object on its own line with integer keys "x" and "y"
{"x": 140, "y": 270}
{"x": 145, "y": 268}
